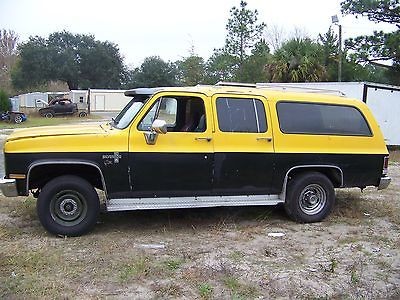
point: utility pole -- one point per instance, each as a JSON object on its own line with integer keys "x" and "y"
{"x": 340, "y": 54}
{"x": 335, "y": 21}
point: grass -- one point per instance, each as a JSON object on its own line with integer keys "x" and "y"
{"x": 30, "y": 273}
{"x": 236, "y": 256}
{"x": 173, "y": 264}
{"x": 138, "y": 268}
{"x": 205, "y": 290}
{"x": 36, "y": 121}
{"x": 239, "y": 289}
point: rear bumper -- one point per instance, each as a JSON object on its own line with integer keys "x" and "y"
{"x": 8, "y": 187}
{"x": 384, "y": 183}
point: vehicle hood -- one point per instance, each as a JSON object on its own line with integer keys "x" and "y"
{"x": 62, "y": 130}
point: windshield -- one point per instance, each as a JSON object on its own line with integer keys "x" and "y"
{"x": 127, "y": 114}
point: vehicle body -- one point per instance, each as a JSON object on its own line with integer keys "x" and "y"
{"x": 59, "y": 107}
{"x": 203, "y": 146}
{"x": 13, "y": 116}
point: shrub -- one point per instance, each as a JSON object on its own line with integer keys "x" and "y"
{"x": 5, "y": 103}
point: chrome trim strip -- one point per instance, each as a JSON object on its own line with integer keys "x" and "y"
{"x": 283, "y": 193}
{"x": 190, "y": 202}
{"x": 65, "y": 162}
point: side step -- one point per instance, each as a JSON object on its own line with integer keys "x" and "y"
{"x": 190, "y": 202}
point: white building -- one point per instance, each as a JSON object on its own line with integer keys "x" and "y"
{"x": 382, "y": 99}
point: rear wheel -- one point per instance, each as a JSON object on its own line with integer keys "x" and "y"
{"x": 18, "y": 119}
{"x": 310, "y": 197}
{"x": 68, "y": 205}
{"x": 82, "y": 114}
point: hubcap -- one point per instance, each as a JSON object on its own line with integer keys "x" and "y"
{"x": 312, "y": 199}
{"x": 68, "y": 208}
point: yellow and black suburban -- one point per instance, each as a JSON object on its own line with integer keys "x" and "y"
{"x": 202, "y": 146}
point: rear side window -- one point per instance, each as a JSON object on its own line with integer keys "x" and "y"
{"x": 241, "y": 115}
{"x": 313, "y": 118}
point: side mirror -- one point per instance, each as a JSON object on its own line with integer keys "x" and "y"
{"x": 159, "y": 126}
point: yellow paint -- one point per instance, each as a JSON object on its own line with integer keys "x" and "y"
{"x": 177, "y": 142}
{"x": 84, "y": 138}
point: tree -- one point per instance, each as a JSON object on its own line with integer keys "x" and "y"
{"x": 221, "y": 66}
{"x": 298, "y": 60}
{"x": 243, "y": 33}
{"x": 380, "y": 46}
{"x": 330, "y": 48}
{"x": 5, "y": 103}
{"x": 387, "y": 11}
{"x": 191, "y": 70}
{"x": 253, "y": 69}
{"x": 8, "y": 57}
{"x": 275, "y": 36}
{"x": 79, "y": 60}
{"x": 154, "y": 72}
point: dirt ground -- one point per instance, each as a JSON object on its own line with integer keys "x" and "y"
{"x": 220, "y": 253}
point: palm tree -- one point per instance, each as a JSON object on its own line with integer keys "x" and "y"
{"x": 298, "y": 60}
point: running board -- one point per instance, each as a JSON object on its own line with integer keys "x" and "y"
{"x": 190, "y": 202}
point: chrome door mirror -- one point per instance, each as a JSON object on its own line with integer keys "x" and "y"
{"x": 158, "y": 126}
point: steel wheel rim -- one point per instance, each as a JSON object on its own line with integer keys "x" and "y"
{"x": 18, "y": 119}
{"x": 68, "y": 208}
{"x": 312, "y": 199}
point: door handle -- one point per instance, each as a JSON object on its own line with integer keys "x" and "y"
{"x": 268, "y": 139}
{"x": 208, "y": 139}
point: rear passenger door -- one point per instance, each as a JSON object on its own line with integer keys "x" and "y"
{"x": 243, "y": 145}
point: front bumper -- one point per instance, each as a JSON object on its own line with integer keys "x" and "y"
{"x": 8, "y": 187}
{"x": 384, "y": 183}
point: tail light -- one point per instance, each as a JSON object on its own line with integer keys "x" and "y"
{"x": 385, "y": 165}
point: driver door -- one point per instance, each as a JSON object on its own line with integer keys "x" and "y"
{"x": 179, "y": 163}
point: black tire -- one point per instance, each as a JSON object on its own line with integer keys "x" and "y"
{"x": 68, "y": 205}
{"x": 310, "y": 197}
{"x": 17, "y": 119}
{"x": 82, "y": 114}
{"x": 48, "y": 114}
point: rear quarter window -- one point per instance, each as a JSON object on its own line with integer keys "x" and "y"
{"x": 316, "y": 118}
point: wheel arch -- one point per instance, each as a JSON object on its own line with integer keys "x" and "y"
{"x": 334, "y": 174}
{"x": 40, "y": 172}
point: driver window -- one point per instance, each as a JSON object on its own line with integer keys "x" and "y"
{"x": 182, "y": 114}
{"x": 164, "y": 109}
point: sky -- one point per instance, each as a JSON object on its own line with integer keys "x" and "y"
{"x": 171, "y": 28}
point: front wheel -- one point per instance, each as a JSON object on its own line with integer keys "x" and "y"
{"x": 49, "y": 114}
{"x": 310, "y": 197}
{"x": 68, "y": 205}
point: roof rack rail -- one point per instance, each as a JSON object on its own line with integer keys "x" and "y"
{"x": 237, "y": 84}
{"x": 281, "y": 86}
{"x": 294, "y": 87}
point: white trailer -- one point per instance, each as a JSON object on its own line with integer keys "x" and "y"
{"x": 107, "y": 100}
{"x": 382, "y": 99}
